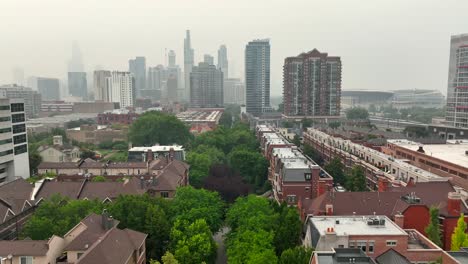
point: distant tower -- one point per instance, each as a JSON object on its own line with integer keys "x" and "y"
{"x": 188, "y": 62}
{"x": 207, "y": 58}
{"x": 223, "y": 61}
{"x": 121, "y": 88}
{"x": 77, "y": 84}
{"x": 75, "y": 64}
{"x": 18, "y": 76}
{"x": 172, "y": 58}
{"x": 100, "y": 85}
{"x": 137, "y": 67}
{"x": 206, "y": 84}
{"x": 257, "y": 77}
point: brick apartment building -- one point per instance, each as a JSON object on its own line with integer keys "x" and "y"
{"x": 123, "y": 117}
{"x": 407, "y": 206}
{"x": 96, "y": 239}
{"x": 374, "y": 235}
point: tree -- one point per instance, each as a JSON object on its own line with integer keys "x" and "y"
{"x": 193, "y": 243}
{"x": 313, "y": 154}
{"x": 248, "y": 246}
{"x": 433, "y": 230}
{"x": 226, "y": 119}
{"x": 356, "y": 181}
{"x": 296, "y": 255}
{"x": 200, "y": 164}
{"x": 251, "y": 212}
{"x": 459, "y": 236}
{"x": 251, "y": 165}
{"x": 228, "y": 183}
{"x": 34, "y": 160}
{"x": 334, "y": 125}
{"x": 306, "y": 122}
{"x": 190, "y": 204}
{"x": 357, "y": 113}
{"x": 336, "y": 169}
{"x": 98, "y": 178}
{"x": 87, "y": 154}
{"x": 158, "y": 128}
{"x": 296, "y": 140}
{"x": 168, "y": 258}
{"x": 288, "y": 228}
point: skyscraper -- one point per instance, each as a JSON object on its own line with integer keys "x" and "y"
{"x": 49, "y": 88}
{"x": 207, "y": 58}
{"x": 172, "y": 58}
{"x": 188, "y": 62}
{"x": 75, "y": 64}
{"x": 312, "y": 85}
{"x": 171, "y": 88}
{"x": 137, "y": 67}
{"x": 457, "y": 90}
{"x": 234, "y": 91}
{"x": 77, "y": 84}
{"x": 101, "y": 92}
{"x": 223, "y": 61}
{"x": 206, "y": 84}
{"x": 257, "y": 77}
{"x": 121, "y": 87}
{"x": 157, "y": 77}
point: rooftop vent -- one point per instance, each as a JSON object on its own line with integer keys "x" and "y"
{"x": 421, "y": 150}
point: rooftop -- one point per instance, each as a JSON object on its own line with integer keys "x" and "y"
{"x": 200, "y": 115}
{"x": 356, "y": 225}
{"x": 453, "y": 151}
{"x": 158, "y": 148}
{"x": 343, "y": 255}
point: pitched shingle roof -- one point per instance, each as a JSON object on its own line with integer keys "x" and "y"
{"x": 23, "y": 247}
{"x": 392, "y": 257}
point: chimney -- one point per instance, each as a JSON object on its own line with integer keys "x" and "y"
{"x": 329, "y": 209}
{"x": 106, "y": 220}
{"x": 171, "y": 154}
{"x": 399, "y": 219}
{"x": 142, "y": 182}
{"x": 420, "y": 149}
{"x": 383, "y": 184}
{"x": 58, "y": 140}
{"x": 149, "y": 155}
{"x": 454, "y": 204}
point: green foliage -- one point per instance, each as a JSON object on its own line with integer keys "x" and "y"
{"x": 34, "y": 160}
{"x": 296, "y": 140}
{"x": 226, "y": 119}
{"x": 288, "y": 228}
{"x": 120, "y": 156}
{"x": 433, "y": 230}
{"x": 57, "y": 215}
{"x": 190, "y": 204}
{"x": 250, "y": 164}
{"x": 200, "y": 164}
{"x": 98, "y": 178}
{"x": 306, "y": 122}
{"x": 145, "y": 214}
{"x": 287, "y": 124}
{"x": 459, "y": 236}
{"x": 168, "y": 258}
{"x": 357, "y": 113}
{"x": 297, "y": 255}
{"x": 313, "y": 154}
{"x": 87, "y": 154}
{"x": 193, "y": 243}
{"x": 334, "y": 124}
{"x": 251, "y": 212}
{"x": 356, "y": 181}
{"x": 336, "y": 169}
{"x": 156, "y": 127}
{"x": 251, "y": 247}
{"x": 78, "y": 123}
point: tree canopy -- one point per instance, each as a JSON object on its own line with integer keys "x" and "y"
{"x": 297, "y": 255}
{"x": 356, "y": 181}
{"x": 158, "y": 128}
{"x": 459, "y": 236}
{"x": 357, "y": 113}
{"x": 336, "y": 169}
{"x": 433, "y": 229}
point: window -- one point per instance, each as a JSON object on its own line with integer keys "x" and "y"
{"x": 391, "y": 243}
{"x": 165, "y": 194}
{"x": 352, "y": 244}
{"x": 19, "y": 128}
{"x": 371, "y": 246}
{"x": 26, "y": 260}
{"x": 362, "y": 245}
{"x": 4, "y": 107}
{"x": 16, "y": 118}
{"x": 291, "y": 198}
{"x": 21, "y": 149}
{"x": 5, "y": 130}
{"x": 4, "y": 119}
{"x": 19, "y": 139}
{"x": 5, "y": 141}
{"x": 307, "y": 176}
{"x": 17, "y": 107}
{"x": 7, "y": 152}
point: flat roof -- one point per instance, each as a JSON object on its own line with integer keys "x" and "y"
{"x": 209, "y": 115}
{"x": 158, "y": 148}
{"x": 355, "y": 225}
{"x": 453, "y": 151}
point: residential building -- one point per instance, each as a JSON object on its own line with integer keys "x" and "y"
{"x": 101, "y": 92}
{"x": 188, "y": 63}
{"x": 257, "y": 77}
{"x": 157, "y": 77}
{"x": 118, "y": 116}
{"x": 457, "y": 93}
{"x": 143, "y": 153}
{"x": 32, "y": 99}
{"x": 87, "y": 242}
{"x": 14, "y": 158}
{"x": 312, "y": 85}
{"x": 374, "y": 235}
{"x": 78, "y": 85}
{"x": 223, "y": 63}
{"x": 207, "y": 58}
{"x": 343, "y": 256}
{"x": 95, "y": 134}
{"x": 137, "y": 67}
{"x": 49, "y": 88}
{"x": 206, "y": 86}
{"x": 171, "y": 88}
{"x": 234, "y": 91}
{"x": 59, "y": 152}
{"x": 122, "y": 88}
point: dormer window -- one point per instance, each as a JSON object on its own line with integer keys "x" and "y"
{"x": 308, "y": 176}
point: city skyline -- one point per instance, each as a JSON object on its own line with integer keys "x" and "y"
{"x": 388, "y": 26}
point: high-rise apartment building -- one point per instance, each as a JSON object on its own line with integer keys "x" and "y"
{"x": 188, "y": 62}
{"x": 457, "y": 90}
{"x": 223, "y": 61}
{"x": 312, "y": 85}
{"x": 75, "y": 64}
{"x": 121, "y": 87}
{"x": 171, "y": 88}
{"x": 137, "y": 67}
{"x": 207, "y": 58}
{"x": 32, "y": 99}
{"x": 49, "y": 88}
{"x": 14, "y": 159}
{"x": 157, "y": 77}
{"x": 77, "y": 84}
{"x": 101, "y": 92}
{"x": 234, "y": 91}
{"x": 206, "y": 84}
{"x": 257, "y": 77}
{"x": 172, "y": 58}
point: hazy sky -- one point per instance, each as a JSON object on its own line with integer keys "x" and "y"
{"x": 397, "y": 44}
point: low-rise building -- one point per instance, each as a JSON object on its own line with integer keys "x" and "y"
{"x": 96, "y": 134}
{"x": 59, "y": 152}
{"x": 88, "y": 242}
{"x": 120, "y": 116}
{"x": 201, "y": 119}
{"x": 158, "y": 151}
{"x": 374, "y": 235}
